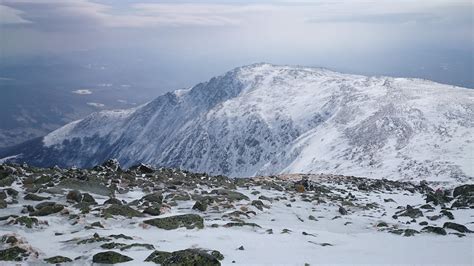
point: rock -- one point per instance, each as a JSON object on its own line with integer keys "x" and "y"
{"x": 47, "y": 210}
{"x": 144, "y": 169}
{"x": 397, "y": 231}
{"x": 121, "y": 210}
{"x": 230, "y": 195}
{"x": 437, "y": 198}
{"x": 258, "y": 204}
{"x": 95, "y": 238}
{"x": 113, "y": 201}
{"x": 87, "y": 198}
{"x": 96, "y": 224}
{"x": 154, "y": 210}
{"x": 434, "y": 229}
{"x": 35, "y": 197}
{"x": 74, "y": 195}
{"x": 179, "y": 197}
{"x": 44, "y": 204}
{"x": 200, "y": 206}
{"x": 463, "y": 202}
{"x": 410, "y": 232}
{"x": 299, "y": 188}
{"x": 388, "y": 200}
{"x": 57, "y": 260}
{"x": 7, "y": 181}
{"x": 423, "y": 223}
{"x": 3, "y": 195}
{"x": 112, "y": 165}
{"x": 240, "y": 224}
{"x": 43, "y": 179}
{"x": 458, "y": 227}
{"x": 13, "y": 254}
{"x": 216, "y": 254}
{"x": 122, "y": 236}
{"x": 26, "y": 221}
{"x": 190, "y": 221}
{"x": 342, "y": 211}
{"x": 382, "y": 224}
{"x": 411, "y": 212}
{"x": 184, "y": 257}
{"x": 3, "y": 204}
{"x": 464, "y": 190}
{"x": 447, "y": 214}
{"x": 92, "y": 185}
{"x": 434, "y": 217}
{"x": 140, "y": 245}
{"x": 112, "y": 245}
{"x": 263, "y": 197}
{"x": 110, "y": 257}
{"x": 427, "y": 207}
{"x": 11, "y": 192}
{"x": 158, "y": 257}
{"x": 241, "y": 248}
{"x": 155, "y": 197}
{"x": 9, "y": 239}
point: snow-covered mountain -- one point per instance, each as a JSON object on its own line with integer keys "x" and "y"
{"x": 267, "y": 119}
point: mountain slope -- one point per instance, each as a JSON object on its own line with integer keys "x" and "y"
{"x": 266, "y": 119}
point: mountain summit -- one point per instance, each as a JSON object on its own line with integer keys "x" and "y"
{"x": 266, "y": 119}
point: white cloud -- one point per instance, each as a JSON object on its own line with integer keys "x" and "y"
{"x": 97, "y": 105}
{"x": 82, "y": 92}
{"x": 10, "y": 15}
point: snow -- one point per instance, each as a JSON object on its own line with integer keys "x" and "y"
{"x": 358, "y": 242}
{"x": 5, "y": 159}
{"x": 267, "y": 119}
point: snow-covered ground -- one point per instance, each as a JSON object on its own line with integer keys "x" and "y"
{"x": 297, "y": 224}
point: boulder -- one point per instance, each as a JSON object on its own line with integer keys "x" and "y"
{"x": 13, "y": 254}
{"x": 47, "y": 210}
{"x": 200, "y": 206}
{"x": 35, "y": 197}
{"x": 185, "y": 257}
{"x": 464, "y": 190}
{"x": 57, "y": 260}
{"x": 435, "y": 230}
{"x": 110, "y": 257}
{"x": 74, "y": 195}
{"x": 190, "y": 221}
{"x": 458, "y": 227}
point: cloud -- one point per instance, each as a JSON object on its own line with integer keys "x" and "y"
{"x": 385, "y": 18}
{"x": 96, "y": 105}
{"x": 201, "y": 14}
{"x": 82, "y": 92}
{"x": 10, "y": 15}
{"x": 56, "y": 15}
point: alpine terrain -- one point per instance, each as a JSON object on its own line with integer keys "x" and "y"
{"x": 264, "y": 119}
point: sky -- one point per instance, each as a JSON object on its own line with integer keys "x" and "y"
{"x": 175, "y": 44}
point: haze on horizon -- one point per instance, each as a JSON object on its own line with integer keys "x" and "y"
{"x": 180, "y": 43}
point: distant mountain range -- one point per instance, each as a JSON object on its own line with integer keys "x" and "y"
{"x": 264, "y": 119}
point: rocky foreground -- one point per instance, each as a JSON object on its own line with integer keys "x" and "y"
{"x": 164, "y": 216}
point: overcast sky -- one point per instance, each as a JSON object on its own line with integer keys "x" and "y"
{"x": 430, "y": 39}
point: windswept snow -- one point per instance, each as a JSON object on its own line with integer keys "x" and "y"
{"x": 267, "y": 119}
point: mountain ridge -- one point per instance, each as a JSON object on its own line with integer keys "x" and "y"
{"x": 265, "y": 119}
